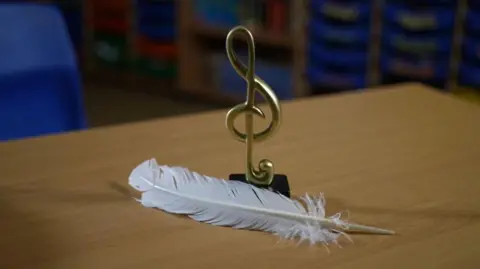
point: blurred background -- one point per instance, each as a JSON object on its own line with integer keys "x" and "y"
{"x": 143, "y": 59}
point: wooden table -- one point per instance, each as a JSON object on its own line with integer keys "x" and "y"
{"x": 405, "y": 158}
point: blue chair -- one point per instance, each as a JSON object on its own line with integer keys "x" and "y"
{"x": 40, "y": 85}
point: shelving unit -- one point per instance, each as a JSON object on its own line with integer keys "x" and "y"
{"x": 197, "y": 37}
{"x": 196, "y": 69}
{"x": 192, "y": 60}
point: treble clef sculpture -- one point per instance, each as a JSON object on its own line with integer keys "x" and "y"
{"x": 264, "y": 174}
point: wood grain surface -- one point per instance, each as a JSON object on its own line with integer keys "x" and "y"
{"x": 405, "y": 158}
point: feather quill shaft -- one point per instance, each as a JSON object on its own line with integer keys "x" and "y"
{"x": 236, "y": 204}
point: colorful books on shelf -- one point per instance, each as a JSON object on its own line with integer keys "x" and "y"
{"x": 267, "y": 15}
{"x": 268, "y": 19}
{"x": 228, "y": 82}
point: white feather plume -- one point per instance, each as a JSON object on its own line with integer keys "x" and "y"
{"x": 239, "y": 205}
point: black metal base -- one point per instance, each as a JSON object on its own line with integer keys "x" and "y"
{"x": 279, "y": 183}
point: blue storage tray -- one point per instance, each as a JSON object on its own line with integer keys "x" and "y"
{"x": 426, "y": 3}
{"x": 473, "y": 20}
{"x": 342, "y": 10}
{"x": 440, "y": 18}
{"x": 438, "y": 43}
{"x": 344, "y": 58}
{"x": 321, "y": 76}
{"x": 161, "y": 11}
{"x": 158, "y": 32}
{"x": 344, "y": 34}
{"x": 469, "y": 75}
{"x": 471, "y": 48}
{"x": 436, "y": 69}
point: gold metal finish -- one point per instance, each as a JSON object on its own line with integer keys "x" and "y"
{"x": 265, "y": 172}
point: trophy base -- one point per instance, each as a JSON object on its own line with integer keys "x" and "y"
{"x": 279, "y": 183}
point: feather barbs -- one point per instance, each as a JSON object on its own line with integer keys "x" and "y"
{"x": 239, "y": 205}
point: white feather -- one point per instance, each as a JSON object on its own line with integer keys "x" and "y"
{"x": 235, "y": 204}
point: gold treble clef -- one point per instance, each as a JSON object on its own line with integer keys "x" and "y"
{"x": 265, "y": 172}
